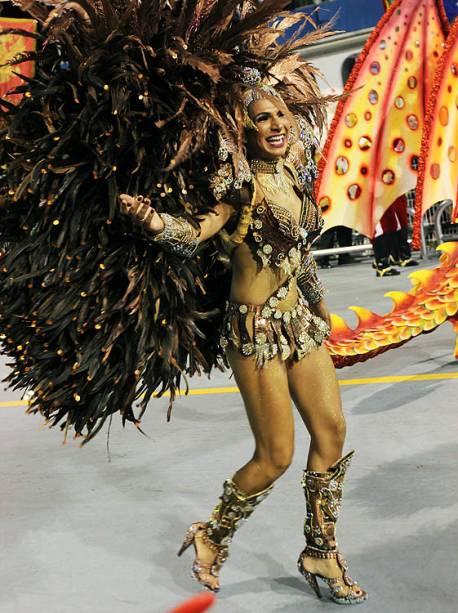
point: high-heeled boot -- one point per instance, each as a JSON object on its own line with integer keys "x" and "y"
{"x": 216, "y": 534}
{"x": 323, "y": 493}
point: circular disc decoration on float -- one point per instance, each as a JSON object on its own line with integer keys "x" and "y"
{"x": 324, "y": 204}
{"x": 388, "y": 177}
{"x": 399, "y": 145}
{"x": 342, "y": 165}
{"x": 365, "y": 143}
{"x": 354, "y": 191}
{"x": 351, "y": 120}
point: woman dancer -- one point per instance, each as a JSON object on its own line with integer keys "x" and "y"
{"x": 275, "y": 324}
{"x": 131, "y": 97}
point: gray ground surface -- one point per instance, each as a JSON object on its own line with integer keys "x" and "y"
{"x": 80, "y": 534}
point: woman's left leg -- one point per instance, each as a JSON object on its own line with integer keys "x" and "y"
{"x": 315, "y": 392}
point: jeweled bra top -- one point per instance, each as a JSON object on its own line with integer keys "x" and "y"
{"x": 275, "y": 237}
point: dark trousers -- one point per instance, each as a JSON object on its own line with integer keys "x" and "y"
{"x": 340, "y": 235}
{"x": 394, "y": 240}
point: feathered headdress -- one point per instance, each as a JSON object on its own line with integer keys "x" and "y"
{"x": 128, "y": 96}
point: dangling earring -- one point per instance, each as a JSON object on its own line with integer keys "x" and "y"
{"x": 292, "y": 135}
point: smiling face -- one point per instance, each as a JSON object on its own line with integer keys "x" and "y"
{"x": 270, "y": 139}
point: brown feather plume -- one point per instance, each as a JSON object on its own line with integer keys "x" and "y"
{"x": 128, "y": 96}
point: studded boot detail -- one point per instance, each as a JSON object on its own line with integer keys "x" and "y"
{"x": 323, "y": 494}
{"x": 216, "y": 534}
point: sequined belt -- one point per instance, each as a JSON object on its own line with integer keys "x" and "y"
{"x": 292, "y": 333}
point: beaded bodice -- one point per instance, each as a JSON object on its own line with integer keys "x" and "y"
{"x": 276, "y": 237}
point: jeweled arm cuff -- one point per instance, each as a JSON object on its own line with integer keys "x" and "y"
{"x": 178, "y": 236}
{"x": 308, "y": 281}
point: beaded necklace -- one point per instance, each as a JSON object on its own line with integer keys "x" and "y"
{"x": 273, "y": 176}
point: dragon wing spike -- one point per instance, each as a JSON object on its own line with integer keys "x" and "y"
{"x": 422, "y": 278}
{"x": 366, "y": 318}
{"x": 450, "y": 249}
{"x": 401, "y": 300}
{"x": 339, "y": 327}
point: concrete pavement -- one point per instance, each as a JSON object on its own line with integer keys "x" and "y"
{"x": 80, "y": 534}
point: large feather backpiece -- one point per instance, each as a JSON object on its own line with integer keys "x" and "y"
{"x": 127, "y": 97}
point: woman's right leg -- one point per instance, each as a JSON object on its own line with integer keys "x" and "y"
{"x": 267, "y": 402}
{"x": 266, "y": 396}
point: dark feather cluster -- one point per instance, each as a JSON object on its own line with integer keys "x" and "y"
{"x": 126, "y": 97}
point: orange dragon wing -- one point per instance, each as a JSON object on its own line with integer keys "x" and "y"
{"x": 432, "y": 301}
{"x": 371, "y": 155}
{"x": 438, "y": 172}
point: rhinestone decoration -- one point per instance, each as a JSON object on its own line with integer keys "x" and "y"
{"x": 250, "y": 76}
{"x": 303, "y": 233}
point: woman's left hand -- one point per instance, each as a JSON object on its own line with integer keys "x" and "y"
{"x": 321, "y": 310}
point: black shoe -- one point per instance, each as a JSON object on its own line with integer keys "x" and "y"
{"x": 383, "y": 269}
{"x": 387, "y": 272}
{"x": 406, "y": 262}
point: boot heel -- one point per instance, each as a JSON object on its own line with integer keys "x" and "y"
{"x": 308, "y": 576}
{"x": 323, "y": 493}
{"x": 204, "y": 573}
{"x": 188, "y": 540}
{"x": 183, "y": 547}
{"x": 311, "y": 580}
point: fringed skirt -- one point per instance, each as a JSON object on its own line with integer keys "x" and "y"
{"x": 265, "y": 331}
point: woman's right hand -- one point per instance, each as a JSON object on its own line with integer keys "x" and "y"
{"x": 141, "y": 211}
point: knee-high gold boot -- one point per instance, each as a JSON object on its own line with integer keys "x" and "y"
{"x": 323, "y": 494}
{"x": 216, "y": 534}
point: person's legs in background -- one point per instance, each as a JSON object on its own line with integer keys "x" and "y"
{"x": 326, "y": 242}
{"x": 401, "y": 254}
{"x": 344, "y": 239}
{"x": 384, "y": 243}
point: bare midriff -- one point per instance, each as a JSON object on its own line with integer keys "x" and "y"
{"x": 253, "y": 286}
{"x": 250, "y": 286}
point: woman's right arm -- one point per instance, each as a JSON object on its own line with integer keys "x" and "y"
{"x": 174, "y": 233}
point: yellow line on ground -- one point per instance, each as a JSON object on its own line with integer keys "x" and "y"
{"x": 14, "y": 403}
{"x": 204, "y": 391}
{"x": 400, "y": 378}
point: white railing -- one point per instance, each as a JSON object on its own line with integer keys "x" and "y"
{"x": 433, "y": 232}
